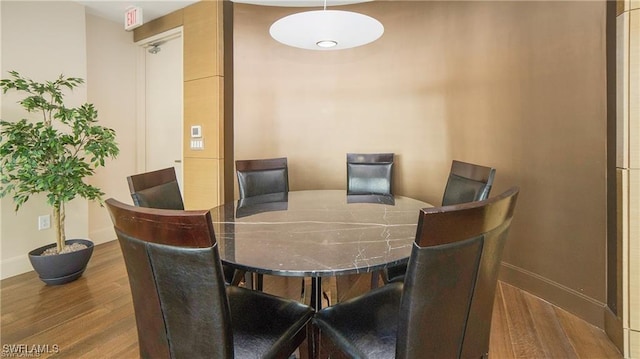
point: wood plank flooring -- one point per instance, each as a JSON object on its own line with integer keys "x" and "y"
{"x": 93, "y": 316}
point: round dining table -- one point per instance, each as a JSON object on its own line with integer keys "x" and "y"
{"x": 316, "y": 233}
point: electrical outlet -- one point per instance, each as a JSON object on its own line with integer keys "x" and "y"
{"x": 44, "y": 222}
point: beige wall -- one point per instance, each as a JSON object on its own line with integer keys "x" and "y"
{"x": 42, "y": 40}
{"x": 519, "y": 86}
{"x": 111, "y": 85}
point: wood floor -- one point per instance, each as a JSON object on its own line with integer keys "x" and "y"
{"x": 93, "y": 316}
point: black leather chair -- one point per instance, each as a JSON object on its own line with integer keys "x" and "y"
{"x": 369, "y": 173}
{"x": 444, "y": 307}
{"x": 263, "y": 203}
{"x": 156, "y": 189}
{"x": 467, "y": 182}
{"x": 260, "y": 177}
{"x": 182, "y": 306}
{"x": 159, "y": 189}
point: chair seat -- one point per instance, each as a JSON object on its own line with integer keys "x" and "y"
{"x": 159, "y": 189}
{"x": 395, "y": 273}
{"x": 182, "y": 306}
{"x": 467, "y": 182}
{"x": 359, "y": 331}
{"x": 263, "y": 323}
{"x": 444, "y": 307}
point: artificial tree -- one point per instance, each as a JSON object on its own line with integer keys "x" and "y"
{"x": 53, "y": 155}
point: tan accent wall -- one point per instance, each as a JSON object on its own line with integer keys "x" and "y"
{"x": 203, "y": 97}
{"x": 203, "y": 75}
{"x": 634, "y": 255}
{"x": 520, "y": 86}
{"x": 628, "y": 167}
{"x": 203, "y": 47}
{"x": 159, "y": 25}
{"x": 205, "y": 190}
{"x": 514, "y": 85}
{"x": 202, "y": 106}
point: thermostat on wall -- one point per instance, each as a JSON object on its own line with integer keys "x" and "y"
{"x": 196, "y": 131}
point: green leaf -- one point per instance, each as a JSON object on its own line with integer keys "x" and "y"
{"x": 47, "y": 157}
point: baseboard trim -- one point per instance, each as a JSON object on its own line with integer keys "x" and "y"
{"x": 103, "y": 235}
{"x": 613, "y": 328}
{"x": 576, "y": 303}
{"x": 20, "y": 264}
{"x": 13, "y": 266}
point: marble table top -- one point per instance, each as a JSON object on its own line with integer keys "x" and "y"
{"x": 316, "y": 233}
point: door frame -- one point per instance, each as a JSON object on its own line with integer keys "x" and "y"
{"x": 141, "y": 120}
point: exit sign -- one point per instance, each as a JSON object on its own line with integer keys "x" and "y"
{"x": 132, "y": 18}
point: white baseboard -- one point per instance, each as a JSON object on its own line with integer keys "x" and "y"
{"x": 13, "y": 266}
{"x": 102, "y": 235}
{"x": 583, "y": 306}
{"x": 20, "y": 264}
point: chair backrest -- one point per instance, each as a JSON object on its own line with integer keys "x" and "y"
{"x": 264, "y": 203}
{"x": 369, "y": 173}
{"x": 156, "y": 189}
{"x": 176, "y": 281}
{"x": 264, "y": 176}
{"x": 449, "y": 288}
{"x": 467, "y": 183}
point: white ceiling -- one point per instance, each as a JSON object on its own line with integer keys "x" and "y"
{"x": 300, "y": 3}
{"x": 151, "y": 9}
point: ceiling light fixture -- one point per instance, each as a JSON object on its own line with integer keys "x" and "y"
{"x": 326, "y": 29}
{"x": 327, "y": 43}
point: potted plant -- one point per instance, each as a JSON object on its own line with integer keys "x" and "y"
{"x": 53, "y": 155}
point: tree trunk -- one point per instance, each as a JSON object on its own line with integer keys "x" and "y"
{"x": 58, "y": 218}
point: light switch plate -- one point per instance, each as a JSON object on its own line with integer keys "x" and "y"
{"x": 197, "y": 144}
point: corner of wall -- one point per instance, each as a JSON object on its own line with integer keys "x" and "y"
{"x": 613, "y": 329}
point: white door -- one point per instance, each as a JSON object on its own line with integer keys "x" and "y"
{"x": 163, "y": 104}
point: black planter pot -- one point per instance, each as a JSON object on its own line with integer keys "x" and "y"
{"x": 61, "y": 268}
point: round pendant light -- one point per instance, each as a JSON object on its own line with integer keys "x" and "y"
{"x": 326, "y": 30}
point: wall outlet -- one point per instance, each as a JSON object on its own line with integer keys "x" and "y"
{"x": 44, "y": 222}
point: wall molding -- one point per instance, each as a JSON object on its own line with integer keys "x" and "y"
{"x": 579, "y": 304}
{"x": 15, "y": 265}
{"x": 20, "y": 264}
{"x": 613, "y": 328}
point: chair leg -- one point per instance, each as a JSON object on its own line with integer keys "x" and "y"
{"x": 302, "y": 289}
{"x": 313, "y": 339}
{"x": 259, "y": 281}
{"x": 374, "y": 278}
{"x": 248, "y": 280}
{"x": 253, "y": 281}
{"x": 385, "y": 277}
{"x": 326, "y": 296}
{"x": 237, "y": 277}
